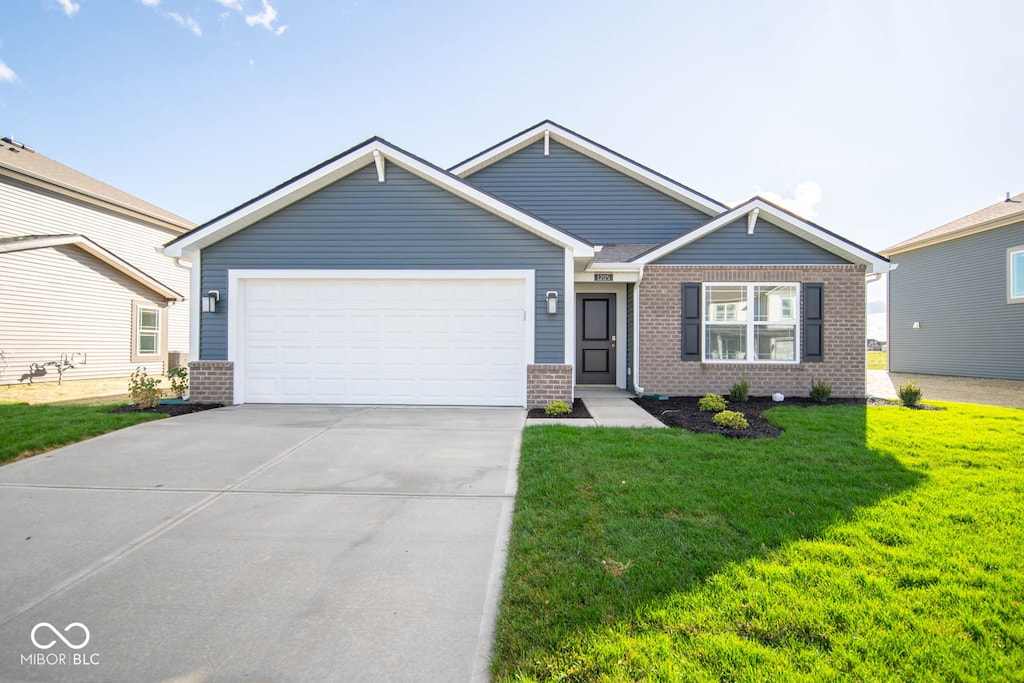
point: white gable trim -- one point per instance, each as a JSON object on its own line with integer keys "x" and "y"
{"x": 373, "y": 152}
{"x": 780, "y": 219}
{"x": 95, "y": 250}
{"x": 551, "y": 131}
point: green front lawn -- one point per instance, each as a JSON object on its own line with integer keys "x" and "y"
{"x": 878, "y": 360}
{"x": 869, "y": 544}
{"x": 29, "y": 429}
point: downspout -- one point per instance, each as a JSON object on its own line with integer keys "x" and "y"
{"x": 636, "y": 333}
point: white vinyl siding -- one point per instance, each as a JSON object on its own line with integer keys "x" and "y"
{"x": 32, "y": 211}
{"x": 80, "y": 306}
{"x": 751, "y": 322}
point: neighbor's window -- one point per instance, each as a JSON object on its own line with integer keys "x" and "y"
{"x": 751, "y": 323}
{"x": 147, "y": 331}
{"x": 1015, "y": 274}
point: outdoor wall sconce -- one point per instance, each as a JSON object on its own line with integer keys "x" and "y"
{"x": 210, "y": 301}
{"x": 552, "y": 302}
{"x": 916, "y": 326}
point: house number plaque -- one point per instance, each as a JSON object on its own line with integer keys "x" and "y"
{"x": 602, "y": 277}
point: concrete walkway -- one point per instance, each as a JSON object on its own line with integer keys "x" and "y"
{"x": 262, "y": 543}
{"x": 608, "y": 407}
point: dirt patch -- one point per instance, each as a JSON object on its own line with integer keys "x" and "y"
{"x": 171, "y": 409}
{"x": 578, "y": 411}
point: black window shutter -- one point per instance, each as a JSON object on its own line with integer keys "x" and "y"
{"x": 691, "y": 321}
{"x": 814, "y": 332}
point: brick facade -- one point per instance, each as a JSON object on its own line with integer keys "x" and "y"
{"x": 546, "y": 383}
{"x": 662, "y": 371}
{"x": 211, "y": 381}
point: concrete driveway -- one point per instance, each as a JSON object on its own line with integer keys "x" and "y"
{"x": 261, "y": 543}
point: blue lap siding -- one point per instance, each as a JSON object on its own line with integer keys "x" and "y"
{"x": 586, "y": 197}
{"x": 769, "y": 245}
{"x": 405, "y": 223}
{"x": 957, "y": 291}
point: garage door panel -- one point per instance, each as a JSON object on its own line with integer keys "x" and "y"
{"x": 384, "y": 341}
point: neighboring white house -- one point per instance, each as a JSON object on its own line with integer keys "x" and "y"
{"x": 82, "y": 279}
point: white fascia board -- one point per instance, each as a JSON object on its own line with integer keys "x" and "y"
{"x": 95, "y": 250}
{"x": 629, "y": 168}
{"x": 373, "y": 152}
{"x": 788, "y": 223}
{"x": 1001, "y": 222}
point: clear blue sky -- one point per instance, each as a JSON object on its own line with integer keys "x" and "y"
{"x": 878, "y": 120}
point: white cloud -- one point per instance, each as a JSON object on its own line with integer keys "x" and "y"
{"x": 69, "y": 7}
{"x": 230, "y": 4}
{"x": 7, "y": 74}
{"x": 150, "y": 3}
{"x": 187, "y": 22}
{"x": 805, "y": 197}
{"x": 266, "y": 19}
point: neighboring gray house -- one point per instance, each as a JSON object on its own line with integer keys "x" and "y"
{"x": 82, "y": 278}
{"x": 544, "y": 262}
{"x": 956, "y": 302}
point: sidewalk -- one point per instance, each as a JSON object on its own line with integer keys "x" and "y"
{"x": 609, "y": 407}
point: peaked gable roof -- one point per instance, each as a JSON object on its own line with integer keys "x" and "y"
{"x": 374, "y": 151}
{"x": 550, "y": 130}
{"x": 28, "y": 242}
{"x": 1006, "y": 212}
{"x": 781, "y": 218}
{"x": 20, "y": 162}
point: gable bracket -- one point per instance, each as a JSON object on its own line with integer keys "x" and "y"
{"x": 547, "y": 142}
{"x": 752, "y": 220}
{"x": 378, "y": 160}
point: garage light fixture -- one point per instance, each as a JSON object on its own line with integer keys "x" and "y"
{"x": 210, "y": 301}
{"x": 552, "y": 302}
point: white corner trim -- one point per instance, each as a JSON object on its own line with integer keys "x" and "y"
{"x": 787, "y": 222}
{"x": 236, "y": 303}
{"x": 549, "y": 130}
{"x": 356, "y": 159}
{"x": 569, "y": 312}
{"x": 752, "y": 220}
{"x": 195, "y": 293}
{"x": 378, "y": 160}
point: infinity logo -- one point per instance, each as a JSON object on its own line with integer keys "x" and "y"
{"x": 60, "y": 635}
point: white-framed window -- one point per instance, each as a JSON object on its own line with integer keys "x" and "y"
{"x": 147, "y": 330}
{"x": 751, "y": 322}
{"x": 1015, "y": 275}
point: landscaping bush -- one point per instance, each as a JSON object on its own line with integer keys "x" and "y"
{"x": 731, "y": 419}
{"x": 740, "y": 391}
{"x": 820, "y": 390}
{"x": 143, "y": 389}
{"x": 556, "y": 408}
{"x": 711, "y": 403}
{"x": 179, "y": 381}
{"x": 910, "y": 393}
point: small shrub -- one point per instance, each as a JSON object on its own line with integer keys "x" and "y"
{"x": 179, "y": 381}
{"x": 143, "y": 389}
{"x": 556, "y": 408}
{"x": 910, "y": 393}
{"x": 820, "y": 390}
{"x": 740, "y": 391}
{"x": 731, "y": 419}
{"x": 712, "y": 403}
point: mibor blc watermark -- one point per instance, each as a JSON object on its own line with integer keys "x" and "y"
{"x": 75, "y": 637}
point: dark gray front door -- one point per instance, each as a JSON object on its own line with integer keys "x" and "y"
{"x": 595, "y": 339}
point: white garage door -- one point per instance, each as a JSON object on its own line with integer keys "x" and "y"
{"x": 421, "y": 341}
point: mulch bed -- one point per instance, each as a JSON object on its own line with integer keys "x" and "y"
{"x": 578, "y": 411}
{"x": 171, "y": 409}
{"x": 682, "y": 411}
